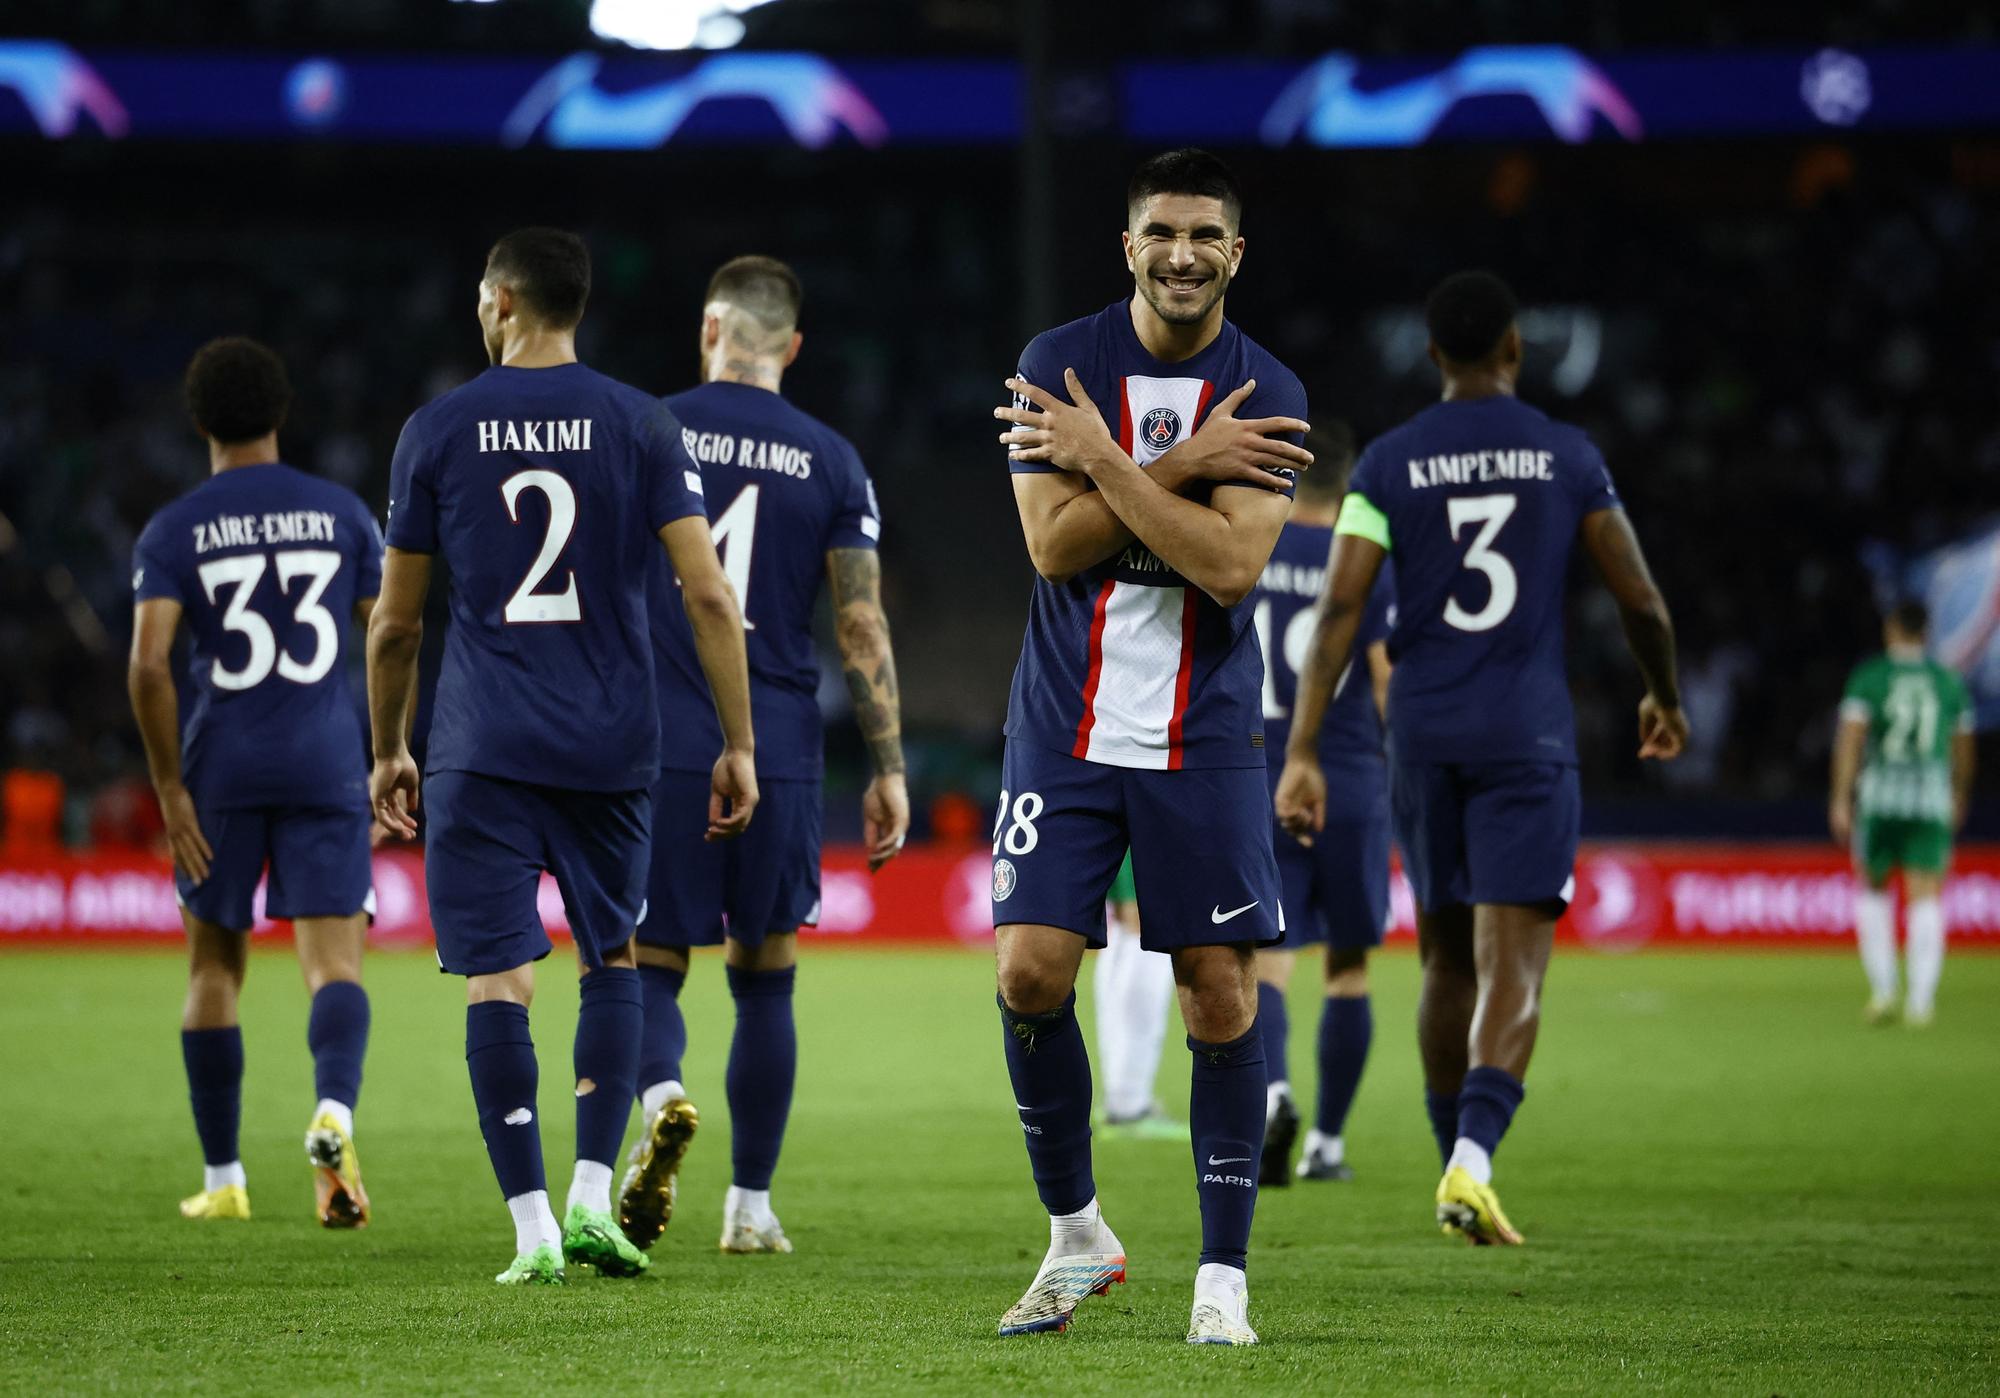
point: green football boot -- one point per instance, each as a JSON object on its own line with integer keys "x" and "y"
{"x": 592, "y": 1238}
{"x": 542, "y": 1267}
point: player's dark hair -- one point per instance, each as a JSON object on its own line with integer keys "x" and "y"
{"x": 1332, "y": 446}
{"x": 1185, "y": 171}
{"x": 765, "y": 287}
{"x": 237, "y": 390}
{"x": 548, "y": 268}
{"x": 1911, "y": 617}
{"x": 1468, "y": 315}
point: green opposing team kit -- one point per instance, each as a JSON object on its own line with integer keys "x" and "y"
{"x": 1903, "y": 803}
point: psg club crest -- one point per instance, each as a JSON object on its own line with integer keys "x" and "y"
{"x": 1160, "y": 428}
{"x": 1003, "y": 879}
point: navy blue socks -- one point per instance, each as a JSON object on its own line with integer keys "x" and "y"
{"x": 1486, "y": 1106}
{"x": 337, "y": 1034}
{"x": 214, "y": 1059}
{"x": 1275, "y": 1025}
{"x": 1226, "y": 1119}
{"x": 763, "y": 1064}
{"x": 500, "y": 1055}
{"x": 606, "y": 1056}
{"x": 1442, "y": 1109}
{"x": 1346, "y": 1027}
{"x": 1050, "y": 1070}
{"x": 663, "y": 1039}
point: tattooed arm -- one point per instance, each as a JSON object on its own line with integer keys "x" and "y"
{"x": 870, "y": 666}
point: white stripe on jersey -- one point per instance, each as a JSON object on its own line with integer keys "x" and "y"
{"x": 1138, "y": 676}
{"x": 1182, "y": 397}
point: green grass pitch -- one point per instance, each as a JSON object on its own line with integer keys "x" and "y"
{"x": 1727, "y": 1184}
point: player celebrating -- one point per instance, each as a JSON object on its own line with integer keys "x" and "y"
{"x": 789, "y": 503}
{"x": 542, "y": 485}
{"x": 266, "y": 564}
{"x": 1906, "y": 732}
{"x": 1481, "y": 498}
{"x": 1336, "y": 888}
{"x": 1134, "y": 719}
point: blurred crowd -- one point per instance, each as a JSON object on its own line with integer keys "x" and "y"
{"x": 1784, "y": 366}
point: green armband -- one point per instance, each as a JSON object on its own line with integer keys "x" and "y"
{"x": 1359, "y": 517}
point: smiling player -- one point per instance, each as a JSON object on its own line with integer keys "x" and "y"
{"x": 1135, "y": 718}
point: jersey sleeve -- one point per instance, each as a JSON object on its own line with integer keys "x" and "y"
{"x": 1590, "y": 480}
{"x": 1959, "y": 694}
{"x": 1279, "y": 394}
{"x": 154, "y": 570}
{"x": 1361, "y": 515}
{"x": 412, "y": 494}
{"x": 858, "y": 524}
{"x": 669, "y": 479}
{"x": 1859, "y": 701}
{"x": 1038, "y": 366}
{"x": 368, "y": 553}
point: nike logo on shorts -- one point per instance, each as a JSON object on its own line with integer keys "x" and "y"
{"x": 1230, "y": 1160}
{"x": 1218, "y": 917}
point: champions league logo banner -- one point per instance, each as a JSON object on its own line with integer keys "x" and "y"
{"x": 1960, "y": 584}
{"x": 612, "y": 100}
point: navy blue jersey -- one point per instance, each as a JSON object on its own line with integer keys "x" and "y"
{"x": 782, "y": 488}
{"x": 267, "y": 564}
{"x": 1127, "y": 663}
{"x": 1479, "y": 501}
{"x": 544, "y": 490}
{"x": 1286, "y": 609}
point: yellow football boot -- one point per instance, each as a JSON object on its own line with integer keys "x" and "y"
{"x": 342, "y": 1202}
{"x": 1471, "y": 1210}
{"x": 232, "y": 1201}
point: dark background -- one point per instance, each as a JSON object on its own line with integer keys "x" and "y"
{"x": 1787, "y": 350}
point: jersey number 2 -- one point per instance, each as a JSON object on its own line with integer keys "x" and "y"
{"x": 1490, "y": 513}
{"x": 528, "y": 605}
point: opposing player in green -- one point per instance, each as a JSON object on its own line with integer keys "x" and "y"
{"x": 1902, "y": 775}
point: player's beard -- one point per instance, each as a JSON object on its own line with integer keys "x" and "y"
{"x": 1183, "y": 314}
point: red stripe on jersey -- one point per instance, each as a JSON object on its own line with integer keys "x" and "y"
{"x": 1185, "y": 678}
{"x": 1089, "y": 719}
{"x": 1201, "y": 408}
{"x": 1124, "y": 418}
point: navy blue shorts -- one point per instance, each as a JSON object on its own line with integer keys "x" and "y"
{"x": 764, "y": 881}
{"x": 486, "y": 844}
{"x": 318, "y": 857}
{"x": 1487, "y": 832}
{"x": 1337, "y": 892}
{"x": 1200, "y": 841}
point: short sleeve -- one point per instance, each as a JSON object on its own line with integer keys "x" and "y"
{"x": 858, "y": 525}
{"x": 1279, "y": 394}
{"x": 668, "y": 476}
{"x": 368, "y": 553}
{"x": 153, "y": 570}
{"x": 1037, "y": 365}
{"x": 412, "y": 494}
{"x": 1857, "y": 702}
{"x": 1591, "y": 480}
{"x": 1961, "y": 695}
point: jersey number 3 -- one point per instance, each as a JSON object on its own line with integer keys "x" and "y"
{"x": 1490, "y": 513}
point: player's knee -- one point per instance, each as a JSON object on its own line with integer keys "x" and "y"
{"x": 1032, "y": 987}
{"x": 667, "y": 958}
{"x": 1347, "y": 972}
